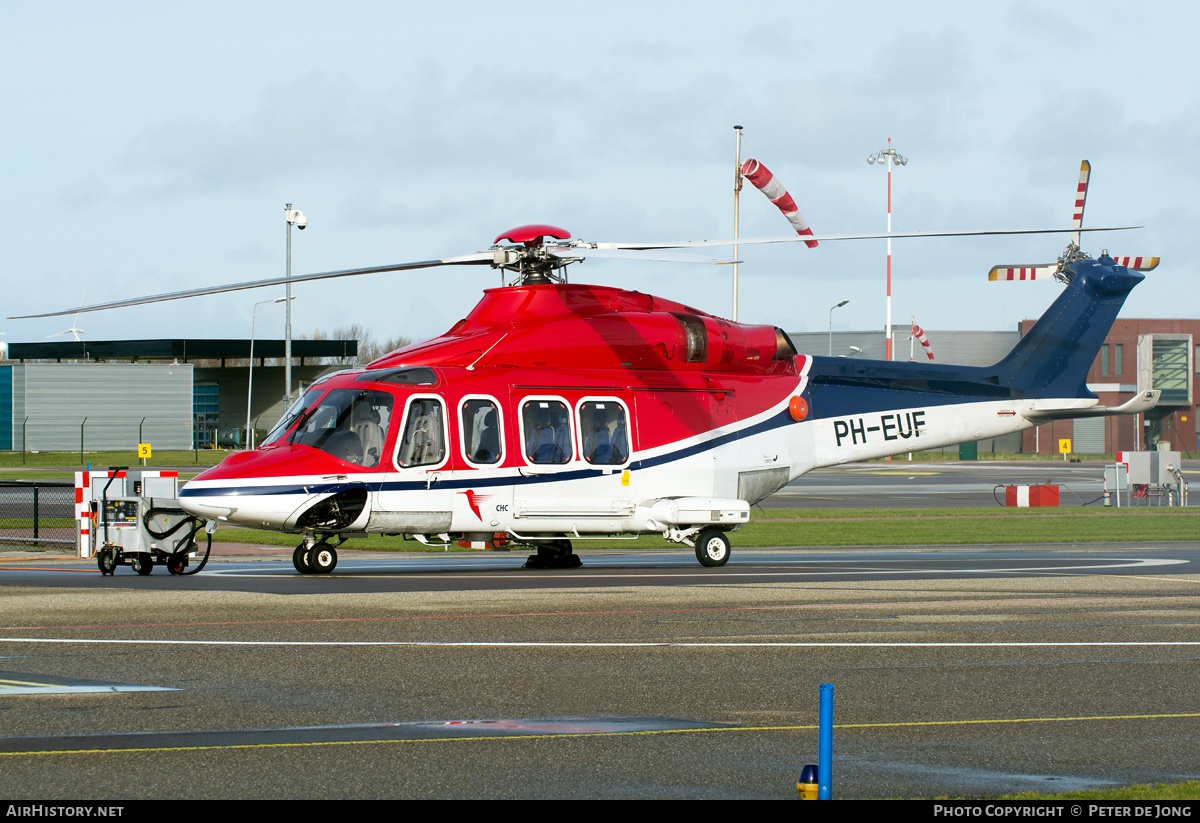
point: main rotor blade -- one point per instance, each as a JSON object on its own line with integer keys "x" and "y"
{"x": 636, "y": 254}
{"x": 469, "y": 259}
{"x": 748, "y": 241}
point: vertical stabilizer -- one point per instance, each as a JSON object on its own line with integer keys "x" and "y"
{"x": 1053, "y": 359}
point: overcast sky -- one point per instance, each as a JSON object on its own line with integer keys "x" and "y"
{"x": 151, "y": 147}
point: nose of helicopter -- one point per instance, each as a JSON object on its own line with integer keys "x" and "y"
{"x": 253, "y": 488}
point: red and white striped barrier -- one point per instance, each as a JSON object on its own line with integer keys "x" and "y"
{"x": 764, "y": 181}
{"x": 86, "y": 492}
{"x": 1030, "y": 496}
{"x": 919, "y": 333}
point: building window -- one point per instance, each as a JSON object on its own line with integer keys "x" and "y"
{"x": 1104, "y": 359}
{"x": 206, "y": 412}
{"x": 1119, "y": 352}
{"x": 1169, "y": 371}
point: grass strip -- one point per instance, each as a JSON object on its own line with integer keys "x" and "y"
{"x": 874, "y": 527}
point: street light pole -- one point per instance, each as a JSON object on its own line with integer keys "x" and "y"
{"x": 294, "y": 218}
{"x": 887, "y": 156}
{"x": 838, "y": 306}
{"x": 250, "y": 386}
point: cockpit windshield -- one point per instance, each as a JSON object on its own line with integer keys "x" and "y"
{"x": 350, "y": 424}
{"x": 289, "y": 417}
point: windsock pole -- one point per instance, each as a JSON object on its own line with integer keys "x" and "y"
{"x": 737, "y": 189}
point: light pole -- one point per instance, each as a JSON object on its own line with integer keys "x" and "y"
{"x": 838, "y": 306}
{"x": 889, "y": 156}
{"x": 294, "y": 217}
{"x": 250, "y": 387}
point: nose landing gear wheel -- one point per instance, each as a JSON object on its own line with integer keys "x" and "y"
{"x": 322, "y": 558}
{"x": 712, "y": 548}
{"x": 300, "y": 559}
{"x": 143, "y": 564}
{"x": 106, "y": 559}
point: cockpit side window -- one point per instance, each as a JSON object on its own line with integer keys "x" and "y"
{"x": 423, "y": 437}
{"x": 481, "y": 438}
{"x": 605, "y": 432}
{"x": 547, "y": 428}
{"x": 350, "y": 424}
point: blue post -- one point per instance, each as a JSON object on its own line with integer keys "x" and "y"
{"x": 825, "y": 744}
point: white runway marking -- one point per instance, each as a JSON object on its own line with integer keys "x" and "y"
{"x": 1123, "y": 564}
{"x": 567, "y": 644}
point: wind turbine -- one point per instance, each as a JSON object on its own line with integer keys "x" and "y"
{"x": 73, "y": 330}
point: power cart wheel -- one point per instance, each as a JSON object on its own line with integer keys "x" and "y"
{"x": 106, "y": 559}
{"x": 143, "y": 564}
{"x": 176, "y": 563}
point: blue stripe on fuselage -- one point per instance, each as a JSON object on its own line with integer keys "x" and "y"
{"x": 776, "y": 421}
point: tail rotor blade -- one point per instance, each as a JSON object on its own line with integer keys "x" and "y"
{"x": 1138, "y": 263}
{"x": 1085, "y": 171}
{"x": 1025, "y": 271}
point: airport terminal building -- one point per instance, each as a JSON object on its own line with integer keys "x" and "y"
{"x": 175, "y": 394}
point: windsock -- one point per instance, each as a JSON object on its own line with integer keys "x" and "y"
{"x": 764, "y": 181}
{"x": 920, "y": 335}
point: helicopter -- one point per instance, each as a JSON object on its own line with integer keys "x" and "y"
{"x": 556, "y": 411}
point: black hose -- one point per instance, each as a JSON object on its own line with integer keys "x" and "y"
{"x": 187, "y": 542}
{"x": 207, "y": 550}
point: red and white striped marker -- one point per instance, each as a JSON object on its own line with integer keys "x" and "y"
{"x": 1030, "y": 496}
{"x": 764, "y": 181}
{"x": 920, "y": 335}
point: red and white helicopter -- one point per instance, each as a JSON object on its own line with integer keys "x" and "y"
{"x": 555, "y": 411}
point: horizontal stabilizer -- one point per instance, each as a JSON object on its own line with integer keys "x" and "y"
{"x": 1143, "y": 402}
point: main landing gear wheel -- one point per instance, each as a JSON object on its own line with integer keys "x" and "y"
{"x": 143, "y": 564}
{"x": 556, "y": 554}
{"x": 106, "y": 559}
{"x": 300, "y": 559}
{"x": 322, "y": 558}
{"x": 712, "y": 548}
{"x": 176, "y": 563}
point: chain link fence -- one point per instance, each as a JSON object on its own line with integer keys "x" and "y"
{"x": 37, "y": 513}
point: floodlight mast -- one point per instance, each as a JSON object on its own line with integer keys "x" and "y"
{"x": 294, "y": 218}
{"x": 887, "y": 156}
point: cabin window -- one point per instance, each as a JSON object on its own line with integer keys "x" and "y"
{"x": 350, "y": 424}
{"x": 481, "y": 431}
{"x": 423, "y": 438}
{"x": 605, "y": 433}
{"x": 547, "y": 427}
